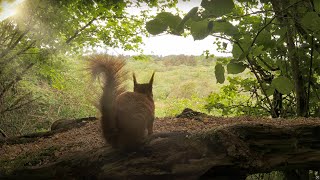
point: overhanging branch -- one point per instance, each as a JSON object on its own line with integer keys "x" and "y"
{"x": 77, "y": 32}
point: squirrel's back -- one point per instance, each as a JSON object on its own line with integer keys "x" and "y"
{"x": 127, "y": 117}
{"x": 135, "y": 113}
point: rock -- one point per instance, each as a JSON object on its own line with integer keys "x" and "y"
{"x": 191, "y": 114}
{"x": 70, "y": 123}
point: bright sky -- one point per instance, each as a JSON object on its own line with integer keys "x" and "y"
{"x": 8, "y": 9}
{"x": 164, "y": 44}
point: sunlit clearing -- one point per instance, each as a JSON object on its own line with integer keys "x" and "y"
{"x": 9, "y": 9}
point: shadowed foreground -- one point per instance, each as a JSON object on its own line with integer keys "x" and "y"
{"x": 229, "y": 151}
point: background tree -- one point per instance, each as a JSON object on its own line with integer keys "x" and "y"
{"x": 39, "y": 37}
{"x": 277, "y": 41}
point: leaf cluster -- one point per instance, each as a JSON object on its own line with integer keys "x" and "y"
{"x": 276, "y": 41}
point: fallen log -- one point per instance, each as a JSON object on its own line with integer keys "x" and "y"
{"x": 231, "y": 152}
{"x": 57, "y": 127}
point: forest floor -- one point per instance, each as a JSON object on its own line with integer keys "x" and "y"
{"x": 50, "y": 149}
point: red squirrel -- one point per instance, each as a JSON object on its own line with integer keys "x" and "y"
{"x": 127, "y": 117}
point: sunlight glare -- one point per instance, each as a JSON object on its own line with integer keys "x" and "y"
{"x": 9, "y": 9}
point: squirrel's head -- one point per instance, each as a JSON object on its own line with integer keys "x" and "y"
{"x": 143, "y": 88}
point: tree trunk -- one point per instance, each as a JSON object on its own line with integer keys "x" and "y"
{"x": 282, "y": 12}
{"x": 231, "y": 152}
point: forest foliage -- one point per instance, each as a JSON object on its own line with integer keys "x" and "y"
{"x": 36, "y": 43}
{"x": 277, "y": 41}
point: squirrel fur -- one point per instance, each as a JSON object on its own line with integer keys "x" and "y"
{"x": 126, "y": 117}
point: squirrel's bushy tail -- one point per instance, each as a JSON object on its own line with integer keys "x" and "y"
{"x": 114, "y": 75}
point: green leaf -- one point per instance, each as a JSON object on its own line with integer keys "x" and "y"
{"x": 311, "y": 22}
{"x": 268, "y": 89}
{"x": 267, "y": 60}
{"x": 224, "y": 45}
{"x": 281, "y": 32}
{"x": 235, "y": 67}
{"x": 161, "y": 23}
{"x": 263, "y": 36}
{"x": 156, "y": 26}
{"x": 192, "y": 14}
{"x": 224, "y": 27}
{"x": 236, "y": 51}
{"x": 219, "y": 73}
{"x": 169, "y": 19}
{"x": 245, "y": 43}
{"x": 257, "y": 50}
{"x": 316, "y": 5}
{"x": 217, "y": 8}
{"x": 199, "y": 30}
{"x": 264, "y": 39}
{"x": 243, "y": 55}
{"x": 283, "y": 84}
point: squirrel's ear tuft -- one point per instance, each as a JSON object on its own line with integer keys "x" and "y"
{"x": 151, "y": 80}
{"x": 134, "y": 79}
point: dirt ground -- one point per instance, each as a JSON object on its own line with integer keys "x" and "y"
{"x": 88, "y": 137}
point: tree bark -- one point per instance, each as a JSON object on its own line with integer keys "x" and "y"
{"x": 231, "y": 152}
{"x": 283, "y": 13}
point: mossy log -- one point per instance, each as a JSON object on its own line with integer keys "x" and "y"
{"x": 229, "y": 152}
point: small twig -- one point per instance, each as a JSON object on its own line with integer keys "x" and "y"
{"x": 77, "y": 32}
{"x": 6, "y": 51}
{"x": 266, "y": 64}
{"x": 258, "y": 33}
{"x": 249, "y": 14}
{"x": 17, "y": 54}
{"x": 224, "y": 38}
{"x": 3, "y": 133}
